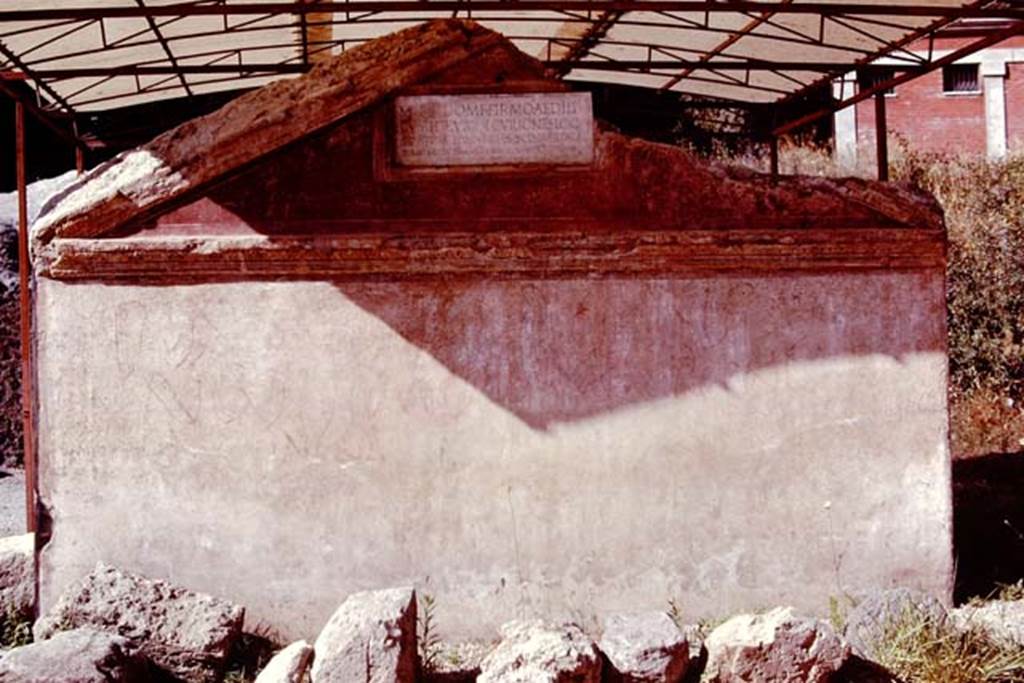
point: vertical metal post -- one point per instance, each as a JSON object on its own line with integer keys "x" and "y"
{"x": 881, "y": 137}
{"x": 304, "y": 35}
{"x": 25, "y": 304}
{"x": 79, "y": 160}
{"x": 774, "y": 151}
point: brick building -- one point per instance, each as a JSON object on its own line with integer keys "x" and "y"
{"x": 975, "y": 105}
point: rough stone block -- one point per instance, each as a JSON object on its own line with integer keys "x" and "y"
{"x": 455, "y": 661}
{"x": 371, "y": 638}
{"x": 1000, "y": 620}
{"x": 185, "y": 633}
{"x": 774, "y": 646}
{"x": 645, "y": 647}
{"x": 875, "y": 613}
{"x": 77, "y": 656}
{"x": 289, "y": 665}
{"x": 17, "y": 573}
{"x": 535, "y": 652}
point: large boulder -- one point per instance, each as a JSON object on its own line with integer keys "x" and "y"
{"x": 645, "y": 647}
{"x": 875, "y": 614}
{"x": 371, "y": 638}
{"x": 186, "y": 634}
{"x": 535, "y": 652}
{"x": 289, "y": 665}
{"x": 1001, "y": 620}
{"x": 79, "y": 656}
{"x": 775, "y": 646}
{"x": 17, "y": 574}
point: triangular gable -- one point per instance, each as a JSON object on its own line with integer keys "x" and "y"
{"x": 201, "y": 151}
{"x": 288, "y": 181}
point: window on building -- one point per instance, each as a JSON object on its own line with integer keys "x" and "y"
{"x": 960, "y": 78}
{"x": 870, "y": 78}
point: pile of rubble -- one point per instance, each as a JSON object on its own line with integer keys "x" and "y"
{"x": 120, "y": 627}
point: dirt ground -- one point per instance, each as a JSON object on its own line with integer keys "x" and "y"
{"x": 988, "y": 523}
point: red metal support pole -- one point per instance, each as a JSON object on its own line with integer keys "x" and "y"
{"x": 79, "y": 160}
{"x": 926, "y": 9}
{"x": 25, "y": 304}
{"x": 881, "y": 137}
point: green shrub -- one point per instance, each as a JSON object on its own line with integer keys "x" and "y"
{"x": 428, "y": 638}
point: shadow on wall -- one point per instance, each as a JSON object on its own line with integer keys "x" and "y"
{"x": 563, "y": 350}
{"x": 988, "y": 523}
{"x": 560, "y": 350}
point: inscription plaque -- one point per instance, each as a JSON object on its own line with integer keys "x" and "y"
{"x": 494, "y": 129}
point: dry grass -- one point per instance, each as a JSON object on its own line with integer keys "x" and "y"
{"x": 15, "y": 628}
{"x": 984, "y": 204}
{"x": 918, "y": 648}
{"x": 983, "y": 421}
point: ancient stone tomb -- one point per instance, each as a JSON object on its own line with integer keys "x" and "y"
{"x": 417, "y": 318}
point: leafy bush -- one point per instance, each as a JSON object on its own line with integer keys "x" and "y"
{"x": 984, "y": 205}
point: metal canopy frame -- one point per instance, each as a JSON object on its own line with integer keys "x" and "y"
{"x": 89, "y": 57}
